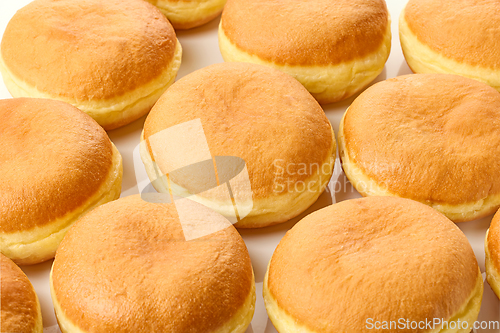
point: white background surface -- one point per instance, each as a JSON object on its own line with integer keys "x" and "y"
{"x": 200, "y": 49}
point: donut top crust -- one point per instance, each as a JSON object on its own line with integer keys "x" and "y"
{"x": 54, "y": 159}
{"x": 88, "y": 49}
{"x": 306, "y": 32}
{"x": 257, "y": 113}
{"x": 20, "y": 309}
{"x": 492, "y": 241}
{"x": 128, "y": 268}
{"x": 428, "y": 137}
{"x": 155, "y": 2}
{"x": 383, "y": 258}
{"x": 464, "y": 30}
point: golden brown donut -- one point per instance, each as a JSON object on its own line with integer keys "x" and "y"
{"x": 334, "y": 48}
{"x": 455, "y": 37}
{"x": 433, "y": 138}
{"x": 255, "y": 113}
{"x": 363, "y": 264}
{"x": 57, "y": 164}
{"x": 20, "y": 309}
{"x": 187, "y": 14}
{"x": 492, "y": 249}
{"x": 111, "y": 59}
{"x": 128, "y": 268}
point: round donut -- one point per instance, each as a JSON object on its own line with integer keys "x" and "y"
{"x": 492, "y": 260}
{"x": 433, "y": 138}
{"x": 191, "y": 13}
{"x": 334, "y": 48}
{"x": 57, "y": 164}
{"x": 20, "y": 309}
{"x": 378, "y": 264}
{"x": 455, "y": 37}
{"x": 128, "y": 267}
{"x": 111, "y": 59}
{"x": 261, "y": 116}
